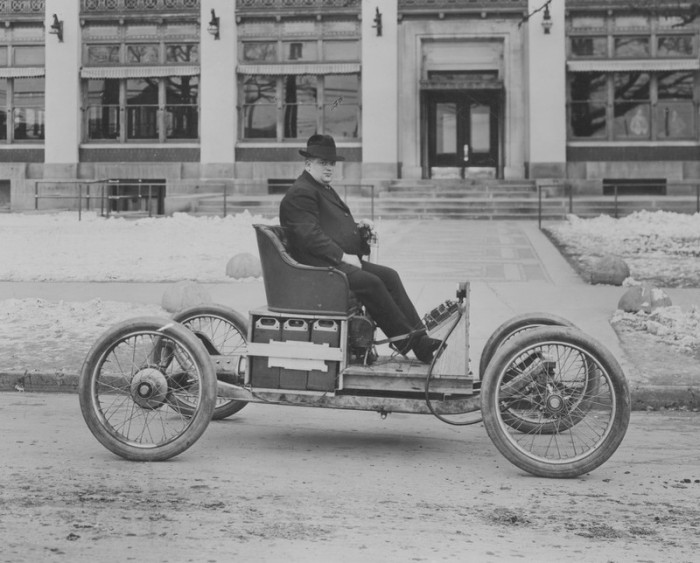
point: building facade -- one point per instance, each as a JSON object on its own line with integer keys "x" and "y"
{"x": 185, "y": 94}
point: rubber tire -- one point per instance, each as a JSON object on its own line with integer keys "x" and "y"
{"x": 228, "y": 315}
{"x": 512, "y": 327}
{"x": 200, "y": 417}
{"x": 490, "y": 408}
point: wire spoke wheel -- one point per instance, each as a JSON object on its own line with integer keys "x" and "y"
{"x": 555, "y": 402}
{"x": 226, "y": 332}
{"x": 133, "y": 382}
{"x": 513, "y": 327}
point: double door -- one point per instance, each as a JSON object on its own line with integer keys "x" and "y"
{"x": 463, "y": 131}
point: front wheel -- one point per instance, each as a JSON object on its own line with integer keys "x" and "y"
{"x": 570, "y": 394}
{"x": 225, "y": 333}
{"x": 511, "y": 328}
{"x": 132, "y": 384}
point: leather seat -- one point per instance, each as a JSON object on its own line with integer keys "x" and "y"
{"x": 292, "y": 287}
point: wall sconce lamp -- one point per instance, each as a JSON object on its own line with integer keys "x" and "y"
{"x": 213, "y": 27}
{"x": 57, "y": 28}
{"x": 546, "y": 20}
{"x": 378, "y": 22}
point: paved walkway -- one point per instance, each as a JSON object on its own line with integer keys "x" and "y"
{"x": 512, "y": 268}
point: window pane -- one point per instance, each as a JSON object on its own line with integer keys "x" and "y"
{"x": 142, "y": 54}
{"x": 675, "y": 85}
{"x": 340, "y": 112}
{"x": 102, "y": 54}
{"x": 675, "y": 120}
{"x": 3, "y": 105}
{"x": 103, "y": 113}
{"x": 29, "y": 92}
{"x": 300, "y": 51}
{"x": 142, "y": 108}
{"x": 632, "y": 121}
{"x": 588, "y": 120}
{"x": 300, "y": 96}
{"x": 29, "y": 56}
{"x": 182, "y": 110}
{"x": 595, "y": 47}
{"x": 675, "y": 46}
{"x": 587, "y": 112}
{"x": 631, "y": 85}
{"x": 186, "y": 53}
{"x": 260, "y": 51}
{"x": 341, "y": 50}
{"x": 446, "y": 124}
{"x": 632, "y": 46}
{"x": 480, "y": 128}
{"x": 586, "y": 86}
{"x": 29, "y": 123}
{"x": 3, "y": 56}
{"x": 260, "y": 108}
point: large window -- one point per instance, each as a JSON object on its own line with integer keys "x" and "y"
{"x": 299, "y": 78}
{"x": 633, "y": 106}
{"x": 309, "y": 104}
{"x": 22, "y": 90}
{"x": 141, "y": 83}
{"x": 632, "y": 81}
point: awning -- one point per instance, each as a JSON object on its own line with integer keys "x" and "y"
{"x": 627, "y": 65}
{"x": 300, "y": 68}
{"x": 22, "y": 72}
{"x": 138, "y": 71}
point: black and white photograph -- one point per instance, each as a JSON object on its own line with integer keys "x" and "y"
{"x": 339, "y": 281}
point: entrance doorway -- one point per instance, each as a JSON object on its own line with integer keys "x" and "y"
{"x": 462, "y": 133}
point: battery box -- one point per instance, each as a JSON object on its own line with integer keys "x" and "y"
{"x": 267, "y": 326}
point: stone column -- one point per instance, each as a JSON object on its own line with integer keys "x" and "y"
{"x": 546, "y": 92}
{"x": 218, "y": 91}
{"x": 62, "y": 94}
{"x": 380, "y": 90}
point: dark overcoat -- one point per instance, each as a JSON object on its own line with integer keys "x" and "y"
{"x": 319, "y": 225}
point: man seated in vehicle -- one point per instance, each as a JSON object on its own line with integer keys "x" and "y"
{"x": 323, "y": 232}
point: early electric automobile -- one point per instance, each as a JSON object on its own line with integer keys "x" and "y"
{"x": 553, "y": 400}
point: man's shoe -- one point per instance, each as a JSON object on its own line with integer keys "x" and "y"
{"x": 424, "y": 348}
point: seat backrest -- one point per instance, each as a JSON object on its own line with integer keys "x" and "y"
{"x": 292, "y": 287}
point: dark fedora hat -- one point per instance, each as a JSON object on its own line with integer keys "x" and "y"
{"x": 321, "y": 146}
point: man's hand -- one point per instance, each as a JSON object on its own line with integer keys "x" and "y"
{"x": 352, "y": 260}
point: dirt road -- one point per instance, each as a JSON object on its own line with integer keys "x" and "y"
{"x": 292, "y": 484}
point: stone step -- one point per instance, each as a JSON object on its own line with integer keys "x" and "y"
{"x": 457, "y": 207}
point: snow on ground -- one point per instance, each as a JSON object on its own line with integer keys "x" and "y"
{"x": 659, "y": 246}
{"x": 49, "y": 336}
{"x": 677, "y": 328}
{"x": 58, "y": 247}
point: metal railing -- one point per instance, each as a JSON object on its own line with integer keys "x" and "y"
{"x": 617, "y": 203}
{"x": 85, "y": 193}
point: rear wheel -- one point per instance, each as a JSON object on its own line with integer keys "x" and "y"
{"x": 555, "y": 402}
{"x": 225, "y": 333}
{"x": 132, "y": 384}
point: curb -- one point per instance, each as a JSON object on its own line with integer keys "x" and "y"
{"x": 642, "y": 398}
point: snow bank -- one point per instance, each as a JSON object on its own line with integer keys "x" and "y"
{"x": 58, "y": 247}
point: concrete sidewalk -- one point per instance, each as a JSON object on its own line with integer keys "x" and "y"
{"x": 512, "y": 268}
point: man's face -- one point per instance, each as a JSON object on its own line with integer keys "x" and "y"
{"x": 321, "y": 170}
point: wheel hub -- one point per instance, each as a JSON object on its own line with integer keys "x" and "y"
{"x": 555, "y": 403}
{"x": 149, "y": 388}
